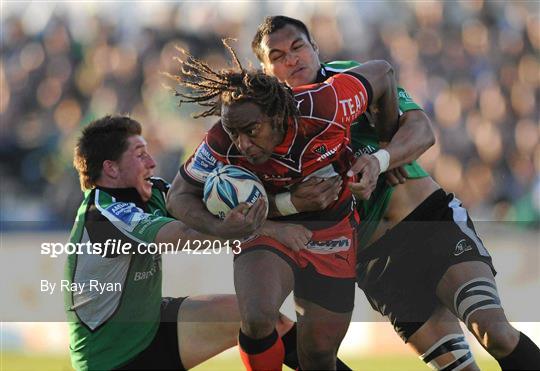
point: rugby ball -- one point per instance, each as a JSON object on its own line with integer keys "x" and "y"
{"x": 228, "y": 186}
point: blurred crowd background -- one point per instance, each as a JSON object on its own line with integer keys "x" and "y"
{"x": 473, "y": 65}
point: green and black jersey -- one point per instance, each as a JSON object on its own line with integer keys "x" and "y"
{"x": 364, "y": 140}
{"x": 113, "y": 307}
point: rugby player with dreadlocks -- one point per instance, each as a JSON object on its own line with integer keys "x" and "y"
{"x": 284, "y": 137}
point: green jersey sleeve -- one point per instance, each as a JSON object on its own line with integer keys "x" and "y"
{"x": 406, "y": 103}
{"x": 340, "y": 66}
{"x": 129, "y": 219}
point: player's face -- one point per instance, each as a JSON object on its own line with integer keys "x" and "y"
{"x": 290, "y": 56}
{"x": 252, "y": 132}
{"x": 135, "y": 167}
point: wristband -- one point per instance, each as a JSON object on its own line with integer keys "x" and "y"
{"x": 383, "y": 157}
{"x": 284, "y": 204}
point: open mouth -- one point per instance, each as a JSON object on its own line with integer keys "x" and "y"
{"x": 148, "y": 181}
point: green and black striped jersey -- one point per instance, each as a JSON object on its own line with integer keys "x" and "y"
{"x": 114, "y": 308}
{"x": 364, "y": 140}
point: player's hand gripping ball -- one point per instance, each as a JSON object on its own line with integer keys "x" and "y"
{"x": 228, "y": 186}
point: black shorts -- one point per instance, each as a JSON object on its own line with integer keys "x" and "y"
{"x": 399, "y": 273}
{"x": 332, "y": 293}
{"x": 162, "y": 353}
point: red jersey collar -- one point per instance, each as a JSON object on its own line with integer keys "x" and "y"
{"x": 284, "y": 147}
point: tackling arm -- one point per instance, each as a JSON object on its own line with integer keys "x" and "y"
{"x": 414, "y": 137}
{"x": 380, "y": 76}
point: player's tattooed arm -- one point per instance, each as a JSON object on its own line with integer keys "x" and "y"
{"x": 184, "y": 202}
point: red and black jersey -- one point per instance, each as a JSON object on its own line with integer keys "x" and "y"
{"x": 316, "y": 144}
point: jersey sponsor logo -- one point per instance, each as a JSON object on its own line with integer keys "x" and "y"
{"x": 155, "y": 268}
{"x": 329, "y": 246}
{"x": 329, "y": 153}
{"x": 320, "y": 149}
{"x": 461, "y": 247}
{"x": 127, "y": 213}
{"x": 204, "y": 159}
{"x": 405, "y": 96}
{"x": 203, "y": 163}
{"x": 352, "y": 106}
{"x": 365, "y": 150}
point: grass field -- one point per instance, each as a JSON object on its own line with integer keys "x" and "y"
{"x": 25, "y": 362}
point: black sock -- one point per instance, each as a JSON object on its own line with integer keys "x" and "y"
{"x": 291, "y": 355}
{"x": 256, "y": 346}
{"x": 289, "y": 342}
{"x": 526, "y": 356}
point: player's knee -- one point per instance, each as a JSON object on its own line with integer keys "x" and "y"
{"x": 319, "y": 348}
{"x": 259, "y": 323}
{"x": 498, "y": 337}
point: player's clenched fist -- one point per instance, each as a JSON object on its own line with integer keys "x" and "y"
{"x": 243, "y": 220}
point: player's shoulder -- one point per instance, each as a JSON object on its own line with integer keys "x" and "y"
{"x": 323, "y": 100}
{"x": 98, "y": 202}
{"x": 87, "y": 209}
{"x": 104, "y": 206}
{"x": 316, "y": 101}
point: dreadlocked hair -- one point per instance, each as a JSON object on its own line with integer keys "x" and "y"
{"x": 213, "y": 89}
